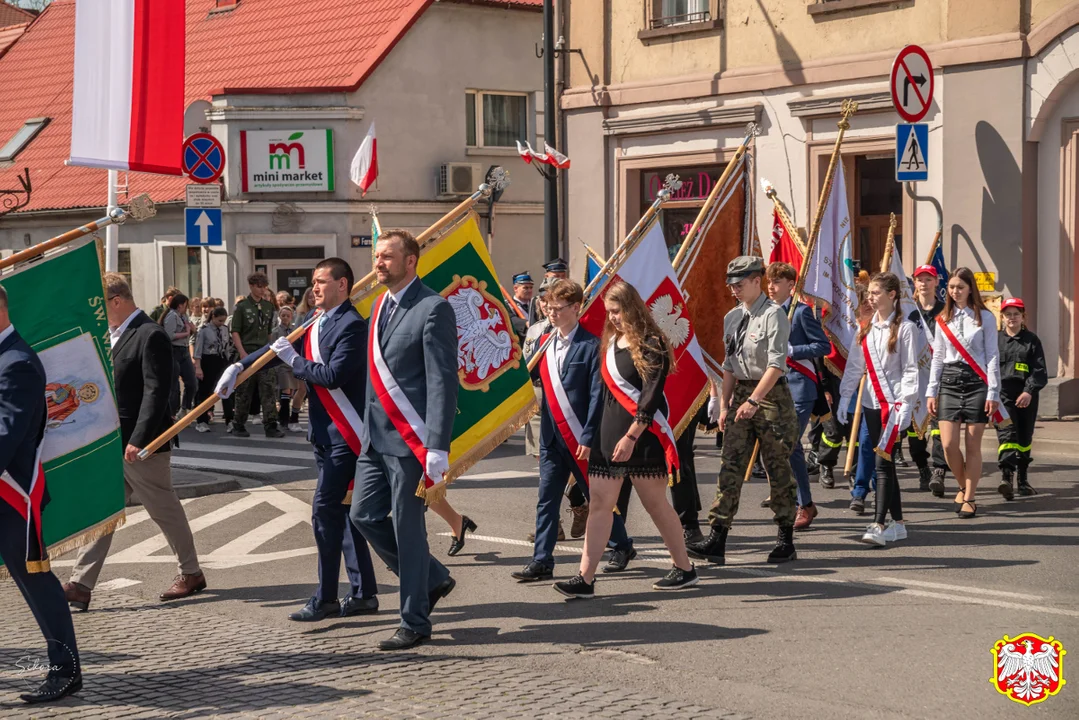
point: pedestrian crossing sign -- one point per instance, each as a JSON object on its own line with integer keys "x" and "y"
{"x": 911, "y": 152}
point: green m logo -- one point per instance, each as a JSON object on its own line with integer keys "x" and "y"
{"x": 281, "y": 153}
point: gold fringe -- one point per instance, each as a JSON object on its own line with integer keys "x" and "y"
{"x": 348, "y": 498}
{"x": 478, "y": 452}
{"x": 697, "y": 404}
{"x": 38, "y": 566}
{"x": 883, "y": 454}
{"x": 87, "y": 536}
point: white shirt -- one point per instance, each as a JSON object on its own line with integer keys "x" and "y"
{"x": 980, "y": 342}
{"x": 115, "y": 335}
{"x": 561, "y": 346}
{"x": 396, "y": 296}
{"x": 7, "y": 333}
{"x": 898, "y": 370}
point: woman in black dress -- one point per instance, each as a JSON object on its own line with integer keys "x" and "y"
{"x": 626, "y": 446}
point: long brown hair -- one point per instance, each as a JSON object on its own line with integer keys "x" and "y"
{"x": 888, "y": 282}
{"x": 640, "y": 329}
{"x": 975, "y": 301}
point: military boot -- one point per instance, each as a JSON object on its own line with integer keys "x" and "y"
{"x": 936, "y": 483}
{"x": 924, "y": 475}
{"x": 827, "y": 477}
{"x": 900, "y": 458}
{"x": 1024, "y": 487}
{"x": 1005, "y": 487}
{"x": 784, "y": 549}
{"x": 711, "y": 548}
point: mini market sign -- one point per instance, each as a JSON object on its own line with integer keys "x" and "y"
{"x": 287, "y": 160}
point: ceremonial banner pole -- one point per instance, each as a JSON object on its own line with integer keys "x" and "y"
{"x": 618, "y": 257}
{"x": 885, "y": 263}
{"x": 784, "y": 218}
{"x": 116, "y": 217}
{"x": 849, "y": 108}
{"x": 362, "y": 288}
{"x": 752, "y": 131}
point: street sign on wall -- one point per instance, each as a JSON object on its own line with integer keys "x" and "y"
{"x": 287, "y": 160}
{"x": 911, "y": 152}
{"x": 912, "y": 83}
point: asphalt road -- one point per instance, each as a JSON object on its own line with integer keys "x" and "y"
{"x": 846, "y": 631}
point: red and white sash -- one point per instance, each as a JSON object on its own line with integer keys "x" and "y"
{"x": 803, "y": 366}
{"x": 28, "y": 505}
{"x": 628, "y": 397}
{"x": 569, "y": 425}
{"x": 889, "y": 408}
{"x": 404, "y": 417}
{"x": 1000, "y": 417}
{"x": 345, "y": 417}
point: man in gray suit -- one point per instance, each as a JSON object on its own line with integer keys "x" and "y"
{"x": 412, "y": 402}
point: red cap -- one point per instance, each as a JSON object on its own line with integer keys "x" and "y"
{"x": 925, "y": 269}
{"x": 1013, "y": 302}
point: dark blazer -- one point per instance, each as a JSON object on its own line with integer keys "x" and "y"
{"x": 22, "y": 409}
{"x": 808, "y": 342}
{"x": 343, "y": 342}
{"x": 142, "y": 368}
{"x": 420, "y": 349}
{"x": 584, "y": 388}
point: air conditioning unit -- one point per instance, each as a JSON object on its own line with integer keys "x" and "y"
{"x": 459, "y": 178}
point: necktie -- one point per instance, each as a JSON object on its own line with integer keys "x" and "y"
{"x": 322, "y": 320}
{"x": 384, "y": 318}
{"x": 740, "y": 335}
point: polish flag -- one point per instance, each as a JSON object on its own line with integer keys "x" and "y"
{"x": 364, "y": 170}
{"x": 128, "y": 101}
{"x": 549, "y": 156}
{"x": 784, "y": 247}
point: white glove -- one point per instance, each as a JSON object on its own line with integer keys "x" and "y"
{"x": 905, "y": 412}
{"x": 284, "y": 350}
{"x": 790, "y": 350}
{"x": 713, "y": 409}
{"x": 227, "y": 383}
{"x": 841, "y": 414}
{"x": 438, "y": 464}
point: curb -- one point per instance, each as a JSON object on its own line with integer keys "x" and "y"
{"x": 187, "y": 491}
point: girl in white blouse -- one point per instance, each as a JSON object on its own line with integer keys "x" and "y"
{"x": 964, "y": 382}
{"x": 886, "y": 352}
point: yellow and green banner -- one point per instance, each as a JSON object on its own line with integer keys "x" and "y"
{"x": 495, "y": 397}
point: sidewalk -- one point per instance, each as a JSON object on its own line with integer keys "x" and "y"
{"x": 1058, "y": 439}
{"x": 197, "y": 483}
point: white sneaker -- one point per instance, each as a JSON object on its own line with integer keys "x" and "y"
{"x": 895, "y": 531}
{"x": 294, "y": 427}
{"x": 874, "y": 535}
{"x": 202, "y": 428}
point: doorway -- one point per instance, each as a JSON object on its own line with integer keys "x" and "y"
{"x": 876, "y": 196}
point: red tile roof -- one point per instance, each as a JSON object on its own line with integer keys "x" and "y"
{"x": 11, "y": 15}
{"x": 10, "y": 34}
{"x": 258, "y": 46}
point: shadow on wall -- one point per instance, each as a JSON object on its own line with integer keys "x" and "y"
{"x": 1002, "y": 204}
{"x": 786, "y": 52}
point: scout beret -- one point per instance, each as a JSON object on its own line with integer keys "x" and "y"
{"x": 742, "y": 266}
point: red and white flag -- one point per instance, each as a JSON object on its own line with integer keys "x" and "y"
{"x": 128, "y": 101}
{"x": 364, "y": 170}
{"x": 784, "y": 247}
{"x": 648, "y": 269}
{"x": 549, "y": 156}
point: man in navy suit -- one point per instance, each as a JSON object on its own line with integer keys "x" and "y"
{"x": 22, "y": 497}
{"x": 332, "y": 359}
{"x": 807, "y": 342}
{"x": 572, "y": 362}
{"x": 409, "y": 417}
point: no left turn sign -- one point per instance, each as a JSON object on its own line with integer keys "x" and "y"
{"x": 912, "y": 83}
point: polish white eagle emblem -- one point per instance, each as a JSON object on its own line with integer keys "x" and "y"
{"x": 670, "y": 319}
{"x": 1026, "y": 673}
{"x": 486, "y": 344}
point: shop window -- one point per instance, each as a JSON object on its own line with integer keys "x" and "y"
{"x": 123, "y": 265}
{"x": 495, "y": 119}
{"x": 681, "y": 210}
{"x": 187, "y": 270}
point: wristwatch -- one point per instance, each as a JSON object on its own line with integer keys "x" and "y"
{"x": 753, "y": 402}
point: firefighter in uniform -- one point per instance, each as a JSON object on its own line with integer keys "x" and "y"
{"x": 755, "y": 406}
{"x": 1022, "y": 376}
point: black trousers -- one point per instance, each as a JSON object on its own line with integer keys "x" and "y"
{"x": 183, "y": 368}
{"x": 212, "y": 368}
{"x": 832, "y": 437}
{"x": 920, "y": 450}
{"x": 887, "y": 499}
{"x": 42, "y": 592}
{"x": 684, "y": 495}
{"x": 1015, "y": 439}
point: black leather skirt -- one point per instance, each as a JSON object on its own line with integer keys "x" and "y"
{"x": 962, "y": 395}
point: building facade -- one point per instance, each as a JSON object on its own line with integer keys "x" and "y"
{"x": 291, "y": 91}
{"x": 664, "y": 86}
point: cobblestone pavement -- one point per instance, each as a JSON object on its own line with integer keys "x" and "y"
{"x": 170, "y": 661}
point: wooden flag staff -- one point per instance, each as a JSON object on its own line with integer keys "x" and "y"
{"x": 849, "y": 108}
{"x": 361, "y": 289}
{"x": 885, "y": 263}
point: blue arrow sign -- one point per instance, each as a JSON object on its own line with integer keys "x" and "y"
{"x": 202, "y": 226}
{"x": 911, "y": 152}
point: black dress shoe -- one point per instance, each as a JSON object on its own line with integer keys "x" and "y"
{"x": 403, "y": 639}
{"x": 314, "y": 611}
{"x": 534, "y": 571}
{"x": 440, "y": 592}
{"x": 458, "y": 543}
{"x": 619, "y": 559}
{"x": 353, "y": 605}
{"x": 55, "y": 687}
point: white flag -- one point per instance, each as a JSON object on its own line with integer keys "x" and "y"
{"x": 923, "y": 346}
{"x": 364, "y": 170}
{"x": 830, "y": 276}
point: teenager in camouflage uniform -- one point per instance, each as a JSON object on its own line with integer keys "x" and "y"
{"x": 755, "y": 405}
